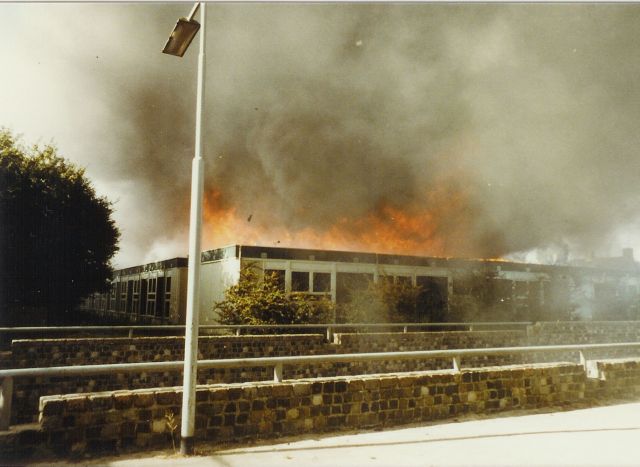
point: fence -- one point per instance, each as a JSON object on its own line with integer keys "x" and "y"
{"x": 329, "y": 328}
{"x": 277, "y": 363}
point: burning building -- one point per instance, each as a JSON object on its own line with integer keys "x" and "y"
{"x": 452, "y": 288}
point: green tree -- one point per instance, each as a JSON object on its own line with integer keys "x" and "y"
{"x": 258, "y": 299}
{"x": 56, "y": 236}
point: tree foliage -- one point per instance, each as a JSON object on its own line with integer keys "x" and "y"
{"x": 258, "y": 299}
{"x": 56, "y": 235}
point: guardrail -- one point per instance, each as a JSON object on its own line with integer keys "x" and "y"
{"x": 238, "y": 328}
{"x": 277, "y": 363}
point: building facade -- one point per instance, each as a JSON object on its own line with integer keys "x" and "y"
{"x": 155, "y": 293}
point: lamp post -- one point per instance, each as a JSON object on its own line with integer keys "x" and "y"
{"x": 177, "y": 44}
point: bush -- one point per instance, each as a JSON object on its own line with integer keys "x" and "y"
{"x": 261, "y": 300}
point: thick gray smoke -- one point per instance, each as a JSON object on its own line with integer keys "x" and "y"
{"x": 317, "y": 112}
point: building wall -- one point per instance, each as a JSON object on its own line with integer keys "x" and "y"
{"x": 215, "y": 278}
{"x": 154, "y": 293}
{"x": 513, "y": 290}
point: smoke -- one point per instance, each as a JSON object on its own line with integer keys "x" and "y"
{"x": 316, "y": 113}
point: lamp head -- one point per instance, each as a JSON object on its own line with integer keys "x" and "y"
{"x": 181, "y": 37}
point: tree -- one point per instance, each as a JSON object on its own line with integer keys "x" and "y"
{"x": 261, "y": 300}
{"x": 56, "y": 235}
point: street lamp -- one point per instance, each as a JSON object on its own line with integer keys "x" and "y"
{"x": 177, "y": 44}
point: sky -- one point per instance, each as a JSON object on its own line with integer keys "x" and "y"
{"x": 475, "y": 130}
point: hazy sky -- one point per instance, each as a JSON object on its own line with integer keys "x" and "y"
{"x": 471, "y": 130}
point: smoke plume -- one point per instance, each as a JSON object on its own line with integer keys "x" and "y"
{"x": 504, "y": 127}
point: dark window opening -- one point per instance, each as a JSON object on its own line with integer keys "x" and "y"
{"x": 349, "y": 282}
{"x": 433, "y": 298}
{"x": 160, "y": 312}
{"x": 143, "y": 297}
{"x": 129, "y": 296}
{"x": 322, "y": 282}
{"x": 299, "y": 281}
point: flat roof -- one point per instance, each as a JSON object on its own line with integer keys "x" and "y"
{"x": 306, "y": 254}
{"x": 158, "y": 265}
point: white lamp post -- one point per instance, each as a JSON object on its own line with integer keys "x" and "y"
{"x": 177, "y": 44}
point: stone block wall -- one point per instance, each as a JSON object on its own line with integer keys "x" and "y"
{"x": 583, "y": 332}
{"x": 33, "y": 353}
{"x": 614, "y": 379}
{"x": 398, "y": 341}
{"x": 122, "y": 419}
{"x": 413, "y": 341}
{"x": 78, "y": 351}
{"x": 93, "y": 351}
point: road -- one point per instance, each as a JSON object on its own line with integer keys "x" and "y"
{"x": 603, "y": 436}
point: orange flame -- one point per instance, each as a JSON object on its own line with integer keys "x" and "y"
{"x": 436, "y": 225}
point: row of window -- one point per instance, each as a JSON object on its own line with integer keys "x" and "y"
{"x": 147, "y": 297}
{"x": 304, "y": 281}
{"x": 320, "y": 282}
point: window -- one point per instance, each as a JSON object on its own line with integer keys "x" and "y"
{"x": 129, "y": 297}
{"x": 299, "y": 281}
{"x": 136, "y": 297}
{"x": 521, "y": 289}
{"x": 348, "y": 283}
{"x": 123, "y": 297}
{"x": 167, "y": 296}
{"x": 143, "y": 296}
{"x": 160, "y": 312}
{"x": 322, "y": 282}
{"x": 112, "y": 297}
{"x": 151, "y": 296}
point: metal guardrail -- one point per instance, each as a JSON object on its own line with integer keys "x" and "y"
{"x": 277, "y": 363}
{"x": 238, "y": 328}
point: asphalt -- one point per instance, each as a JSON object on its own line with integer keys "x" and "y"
{"x": 601, "y": 436}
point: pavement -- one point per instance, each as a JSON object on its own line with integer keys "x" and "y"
{"x": 601, "y": 436}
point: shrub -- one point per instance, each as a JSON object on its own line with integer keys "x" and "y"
{"x": 260, "y": 299}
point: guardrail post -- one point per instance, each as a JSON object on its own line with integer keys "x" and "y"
{"x": 238, "y": 331}
{"x": 583, "y": 359}
{"x": 404, "y": 329}
{"x": 329, "y": 334}
{"x": 456, "y": 363}
{"x": 470, "y": 328}
{"x": 277, "y": 373}
{"x": 130, "y": 333}
{"x": 6, "y": 396}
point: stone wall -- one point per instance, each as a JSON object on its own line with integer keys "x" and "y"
{"x": 583, "y": 332}
{"x": 33, "y": 353}
{"x": 398, "y": 341}
{"x": 414, "y": 341}
{"x": 63, "y": 352}
{"x": 79, "y": 351}
{"x": 614, "y": 379}
{"x": 122, "y": 419}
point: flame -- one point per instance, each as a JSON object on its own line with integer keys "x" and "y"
{"x": 437, "y": 224}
